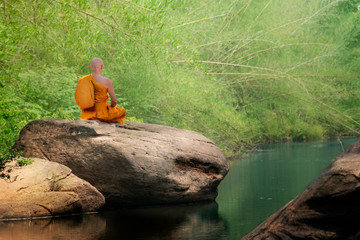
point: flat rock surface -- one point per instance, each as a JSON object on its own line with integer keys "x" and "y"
{"x": 45, "y": 188}
{"x": 131, "y": 163}
{"x": 327, "y": 209}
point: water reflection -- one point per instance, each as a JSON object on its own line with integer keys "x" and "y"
{"x": 199, "y": 221}
{"x": 86, "y": 227}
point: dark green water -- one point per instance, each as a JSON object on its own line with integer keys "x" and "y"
{"x": 255, "y": 187}
{"x": 266, "y": 180}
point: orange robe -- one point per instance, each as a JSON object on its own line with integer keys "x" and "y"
{"x": 102, "y": 110}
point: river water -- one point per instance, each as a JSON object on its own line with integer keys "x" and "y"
{"x": 256, "y": 186}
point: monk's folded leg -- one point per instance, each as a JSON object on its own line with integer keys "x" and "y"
{"x": 89, "y": 114}
{"x": 116, "y": 114}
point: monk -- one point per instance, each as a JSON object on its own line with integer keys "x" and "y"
{"x": 102, "y": 87}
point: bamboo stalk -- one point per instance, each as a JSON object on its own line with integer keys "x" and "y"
{"x": 101, "y": 20}
{"x": 315, "y": 14}
{"x": 307, "y": 62}
{"x": 281, "y": 46}
{"x": 138, "y": 6}
{"x": 197, "y": 21}
{"x": 232, "y": 40}
{"x": 4, "y": 9}
{"x": 33, "y": 23}
{"x": 228, "y": 64}
{"x": 257, "y": 17}
{"x": 232, "y": 18}
{"x": 312, "y": 99}
{"x": 259, "y": 34}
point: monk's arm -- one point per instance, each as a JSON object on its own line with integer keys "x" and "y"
{"x": 111, "y": 93}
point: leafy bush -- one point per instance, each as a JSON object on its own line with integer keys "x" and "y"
{"x": 4, "y": 159}
{"x": 24, "y": 161}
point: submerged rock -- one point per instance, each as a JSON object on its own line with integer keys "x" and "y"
{"x": 131, "y": 163}
{"x": 45, "y": 188}
{"x": 327, "y": 209}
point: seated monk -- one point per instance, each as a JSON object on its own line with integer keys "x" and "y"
{"x": 102, "y": 86}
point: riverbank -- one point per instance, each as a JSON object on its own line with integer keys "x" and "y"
{"x": 342, "y": 140}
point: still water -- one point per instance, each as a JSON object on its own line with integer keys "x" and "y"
{"x": 255, "y": 187}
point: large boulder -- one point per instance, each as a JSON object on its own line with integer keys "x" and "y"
{"x": 329, "y": 208}
{"x": 131, "y": 163}
{"x": 45, "y": 188}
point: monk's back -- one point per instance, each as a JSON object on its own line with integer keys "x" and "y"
{"x": 103, "y": 81}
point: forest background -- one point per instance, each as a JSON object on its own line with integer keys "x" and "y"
{"x": 241, "y": 72}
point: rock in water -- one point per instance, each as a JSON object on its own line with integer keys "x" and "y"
{"x": 131, "y": 163}
{"x": 45, "y": 188}
{"x": 329, "y": 208}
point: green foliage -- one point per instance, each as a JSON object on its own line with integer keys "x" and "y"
{"x": 24, "y": 161}
{"x": 4, "y": 159}
{"x": 239, "y": 72}
{"x": 7, "y": 157}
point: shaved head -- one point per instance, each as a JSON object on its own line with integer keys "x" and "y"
{"x": 96, "y": 63}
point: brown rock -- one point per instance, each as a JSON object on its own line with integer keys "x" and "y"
{"x": 327, "y": 209}
{"x": 45, "y": 188}
{"x": 131, "y": 163}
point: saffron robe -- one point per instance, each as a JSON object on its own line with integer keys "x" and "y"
{"x": 84, "y": 93}
{"x": 102, "y": 110}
